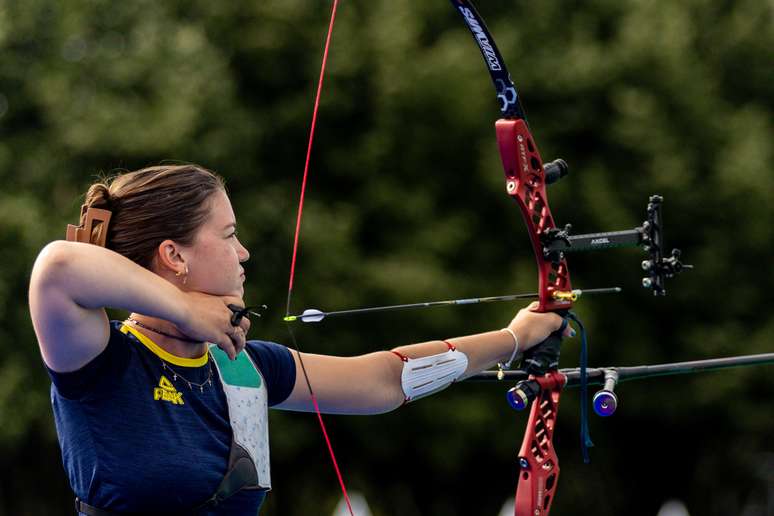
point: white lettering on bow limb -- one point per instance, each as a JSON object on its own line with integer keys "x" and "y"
{"x": 523, "y": 154}
{"x": 486, "y": 48}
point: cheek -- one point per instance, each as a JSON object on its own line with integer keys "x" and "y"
{"x": 217, "y": 270}
{"x": 217, "y": 260}
{"x": 228, "y": 259}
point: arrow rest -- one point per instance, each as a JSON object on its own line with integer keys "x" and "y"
{"x": 553, "y": 236}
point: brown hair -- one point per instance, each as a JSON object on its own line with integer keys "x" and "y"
{"x": 152, "y": 205}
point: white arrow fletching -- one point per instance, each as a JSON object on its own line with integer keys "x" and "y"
{"x": 312, "y": 315}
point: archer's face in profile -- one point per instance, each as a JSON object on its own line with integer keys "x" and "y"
{"x": 216, "y": 256}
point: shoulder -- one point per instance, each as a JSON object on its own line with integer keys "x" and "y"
{"x": 277, "y": 366}
{"x": 107, "y": 365}
{"x": 267, "y": 350}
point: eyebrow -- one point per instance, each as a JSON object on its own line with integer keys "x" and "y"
{"x": 232, "y": 225}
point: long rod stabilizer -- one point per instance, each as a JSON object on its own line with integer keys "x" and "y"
{"x": 596, "y": 375}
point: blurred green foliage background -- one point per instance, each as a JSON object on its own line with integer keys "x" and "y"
{"x": 406, "y": 203}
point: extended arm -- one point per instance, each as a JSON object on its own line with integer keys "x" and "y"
{"x": 371, "y": 384}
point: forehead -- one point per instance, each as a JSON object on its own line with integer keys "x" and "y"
{"x": 221, "y": 212}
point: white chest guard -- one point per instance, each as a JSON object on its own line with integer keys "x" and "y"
{"x": 247, "y": 398}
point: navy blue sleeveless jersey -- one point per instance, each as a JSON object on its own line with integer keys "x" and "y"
{"x": 136, "y": 438}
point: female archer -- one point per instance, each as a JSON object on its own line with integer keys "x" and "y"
{"x": 166, "y": 411}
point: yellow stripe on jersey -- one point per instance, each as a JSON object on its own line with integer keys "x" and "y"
{"x": 165, "y": 355}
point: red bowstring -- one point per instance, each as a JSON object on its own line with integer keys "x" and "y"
{"x": 309, "y": 150}
{"x": 295, "y": 252}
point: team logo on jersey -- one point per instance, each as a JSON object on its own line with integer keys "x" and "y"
{"x": 167, "y": 392}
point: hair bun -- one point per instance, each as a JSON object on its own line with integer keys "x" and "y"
{"x": 98, "y": 196}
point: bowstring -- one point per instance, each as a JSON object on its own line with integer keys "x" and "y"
{"x": 295, "y": 255}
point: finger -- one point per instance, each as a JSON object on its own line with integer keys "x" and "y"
{"x": 569, "y": 331}
{"x": 239, "y": 340}
{"x": 227, "y": 345}
{"x": 234, "y": 300}
{"x": 245, "y": 325}
{"x": 533, "y": 305}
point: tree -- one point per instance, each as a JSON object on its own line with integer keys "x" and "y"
{"x": 406, "y": 204}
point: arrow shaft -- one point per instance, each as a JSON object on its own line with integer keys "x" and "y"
{"x": 431, "y": 304}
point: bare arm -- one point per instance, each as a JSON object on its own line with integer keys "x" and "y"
{"x": 71, "y": 285}
{"x": 366, "y": 384}
{"x": 371, "y": 384}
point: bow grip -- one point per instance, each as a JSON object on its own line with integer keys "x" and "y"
{"x": 544, "y": 357}
{"x": 538, "y": 361}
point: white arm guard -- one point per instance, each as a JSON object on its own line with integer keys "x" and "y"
{"x": 424, "y": 376}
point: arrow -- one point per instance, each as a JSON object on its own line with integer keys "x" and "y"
{"x": 313, "y": 315}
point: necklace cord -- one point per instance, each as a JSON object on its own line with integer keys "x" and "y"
{"x": 160, "y": 332}
{"x": 191, "y": 384}
{"x": 165, "y": 366}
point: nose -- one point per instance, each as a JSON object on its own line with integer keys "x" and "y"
{"x": 243, "y": 253}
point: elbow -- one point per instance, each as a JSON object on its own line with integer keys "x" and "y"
{"x": 381, "y": 391}
{"x": 388, "y": 405}
{"x": 54, "y": 266}
{"x": 58, "y": 251}
{"x": 393, "y": 395}
{"x": 52, "y": 263}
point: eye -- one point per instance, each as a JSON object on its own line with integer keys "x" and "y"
{"x": 232, "y": 235}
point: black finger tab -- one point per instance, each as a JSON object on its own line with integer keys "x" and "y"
{"x": 240, "y": 312}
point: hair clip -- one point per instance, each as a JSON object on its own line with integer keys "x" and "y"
{"x": 93, "y": 219}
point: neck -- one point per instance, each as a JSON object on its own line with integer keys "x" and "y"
{"x": 173, "y": 346}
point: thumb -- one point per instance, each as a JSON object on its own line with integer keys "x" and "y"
{"x": 568, "y": 331}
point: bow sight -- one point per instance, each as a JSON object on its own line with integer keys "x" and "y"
{"x": 650, "y": 235}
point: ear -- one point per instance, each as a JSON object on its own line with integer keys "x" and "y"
{"x": 169, "y": 257}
